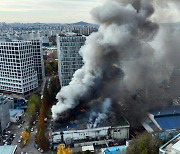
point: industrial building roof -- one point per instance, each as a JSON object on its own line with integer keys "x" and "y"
{"x": 8, "y": 149}
{"x": 172, "y": 146}
{"x": 168, "y": 117}
{"x": 169, "y": 110}
{"x": 176, "y": 146}
{"x": 169, "y": 122}
{"x": 115, "y": 150}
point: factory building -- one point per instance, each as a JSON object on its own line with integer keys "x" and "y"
{"x": 69, "y": 59}
{"x": 93, "y": 136}
{"x": 171, "y": 147}
{"x": 167, "y": 118}
{"x": 18, "y": 73}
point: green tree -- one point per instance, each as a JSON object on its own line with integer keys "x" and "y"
{"x": 144, "y": 143}
{"x": 48, "y": 68}
{"x": 34, "y": 98}
{"x": 31, "y": 112}
{"x": 55, "y": 66}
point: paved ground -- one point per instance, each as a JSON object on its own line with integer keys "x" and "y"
{"x": 29, "y": 148}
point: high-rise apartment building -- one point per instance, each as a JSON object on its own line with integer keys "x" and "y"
{"x": 17, "y": 67}
{"x": 38, "y": 58}
{"x": 69, "y": 59}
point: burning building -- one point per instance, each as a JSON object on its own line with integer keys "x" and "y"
{"x": 127, "y": 65}
{"x": 78, "y": 136}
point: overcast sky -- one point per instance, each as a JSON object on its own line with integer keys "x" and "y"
{"x": 53, "y": 11}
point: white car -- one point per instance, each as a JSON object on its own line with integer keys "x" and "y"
{"x": 19, "y": 126}
{"x": 41, "y": 150}
{"x": 32, "y": 129}
{"x": 14, "y": 135}
{"x": 19, "y": 141}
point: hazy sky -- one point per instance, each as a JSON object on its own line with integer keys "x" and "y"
{"x": 63, "y": 11}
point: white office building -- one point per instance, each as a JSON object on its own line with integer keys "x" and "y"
{"x": 37, "y": 52}
{"x": 17, "y": 69}
{"x": 68, "y": 46}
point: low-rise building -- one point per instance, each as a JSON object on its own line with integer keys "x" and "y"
{"x": 91, "y": 136}
{"x": 8, "y": 149}
{"x": 88, "y": 148}
{"x": 115, "y": 150}
{"x": 171, "y": 147}
{"x": 4, "y": 112}
{"x": 15, "y": 115}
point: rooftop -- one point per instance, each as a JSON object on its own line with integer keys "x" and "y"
{"x": 168, "y": 117}
{"x": 167, "y": 111}
{"x": 171, "y": 147}
{"x": 15, "y": 112}
{"x": 169, "y": 122}
{"x": 69, "y": 34}
{"x": 114, "y": 150}
{"x": 8, "y": 149}
{"x": 81, "y": 123}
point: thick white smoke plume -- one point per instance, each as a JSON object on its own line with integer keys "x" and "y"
{"x": 127, "y": 54}
{"x": 166, "y": 11}
{"x": 96, "y": 118}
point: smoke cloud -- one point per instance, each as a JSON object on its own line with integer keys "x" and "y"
{"x": 128, "y": 60}
{"x": 166, "y": 11}
{"x": 97, "y": 117}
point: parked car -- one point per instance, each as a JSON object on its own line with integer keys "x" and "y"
{"x": 36, "y": 146}
{"x": 40, "y": 150}
{"x": 24, "y": 153}
{"x": 19, "y": 141}
{"x": 14, "y": 135}
{"x": 32, "y": 129}
{"x": 19, "y": 126}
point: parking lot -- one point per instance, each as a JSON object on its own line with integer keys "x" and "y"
{"x": 12, "y": 136}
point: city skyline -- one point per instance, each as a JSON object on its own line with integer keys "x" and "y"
{"x": 54, "y": 11}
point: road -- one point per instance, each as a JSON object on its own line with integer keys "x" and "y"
{"x": 29, "y": 148}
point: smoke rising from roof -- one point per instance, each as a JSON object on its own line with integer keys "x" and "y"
{"x": 97, "y": 117}
{"x": 128, "y": 54}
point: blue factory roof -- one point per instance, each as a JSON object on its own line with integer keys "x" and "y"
{"x": 115, "y": 150}
{"x": 168, "y": 117}
{"x": 7, "y": 149}
{"x": 167, "y": 111}
{"x": 169, "y": 122}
